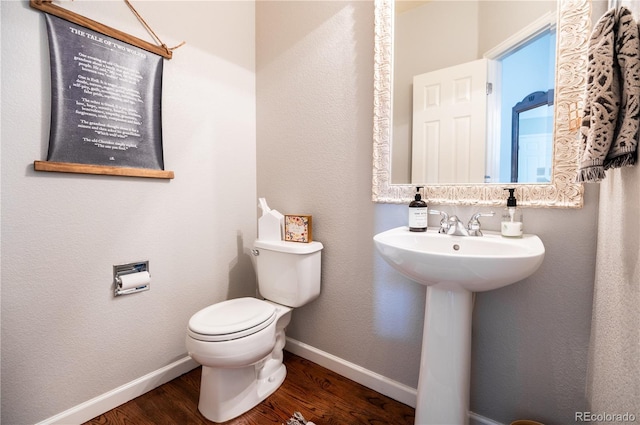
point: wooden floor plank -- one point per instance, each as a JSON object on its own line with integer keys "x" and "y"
{"x": 319, "y": 394}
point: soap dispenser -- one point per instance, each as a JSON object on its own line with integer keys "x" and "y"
{"x": 511, "y": 226}
{"x": 418, "y": 213}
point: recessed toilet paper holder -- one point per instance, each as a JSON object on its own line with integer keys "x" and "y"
{"x": 131, "y": 278}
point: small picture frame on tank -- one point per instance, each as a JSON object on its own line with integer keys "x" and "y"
{"x": 298, "y": 228}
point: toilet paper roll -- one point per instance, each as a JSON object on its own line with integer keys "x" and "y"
{"x": 134, "y": 280}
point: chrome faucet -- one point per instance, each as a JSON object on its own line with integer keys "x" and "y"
{"x": 474, "y": 224}
{"x": 456, "y": 227}
{"x": 453, "y": 226}
{"x": 444, "y": 221}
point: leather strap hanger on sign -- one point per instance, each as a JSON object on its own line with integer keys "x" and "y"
{"x": 47, "y": 6}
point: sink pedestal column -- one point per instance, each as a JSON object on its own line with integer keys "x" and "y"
{"x": 443, "y": 384}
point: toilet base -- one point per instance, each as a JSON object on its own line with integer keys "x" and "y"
{"x": 228, "y": 393}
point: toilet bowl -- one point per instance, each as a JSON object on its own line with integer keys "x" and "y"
{"x": 242, "y": 358}
{"x": 239, "y": 342}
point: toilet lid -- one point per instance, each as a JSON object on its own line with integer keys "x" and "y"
{"x": 231, "y": 319}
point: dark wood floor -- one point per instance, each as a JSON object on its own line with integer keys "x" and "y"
{"x": 322, "y": 396}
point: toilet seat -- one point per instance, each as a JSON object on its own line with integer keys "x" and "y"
{"x": 231, "y": 319}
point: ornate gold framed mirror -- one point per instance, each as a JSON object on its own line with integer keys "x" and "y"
{"x": 574, "y": 24}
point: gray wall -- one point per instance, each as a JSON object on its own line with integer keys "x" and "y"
{"x": 65, "y": 338}
{"x": 314, "y": 117}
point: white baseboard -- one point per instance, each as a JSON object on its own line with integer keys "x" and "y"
{"x": 475, "y": 419}
{"x": 114, "y": 398}
{"x": 383, "y": 385}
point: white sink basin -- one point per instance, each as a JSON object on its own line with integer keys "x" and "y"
{"x": 474, "y": 263}
{"x": 453, "y": 267}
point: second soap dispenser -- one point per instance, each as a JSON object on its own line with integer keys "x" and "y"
{"x": 511, "y": 225}
{"x": 418, "y": 213}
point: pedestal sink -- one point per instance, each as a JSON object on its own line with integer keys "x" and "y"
{"x": 453, "y": 267}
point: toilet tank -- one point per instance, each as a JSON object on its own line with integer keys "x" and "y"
{"x": 288, "y": 272}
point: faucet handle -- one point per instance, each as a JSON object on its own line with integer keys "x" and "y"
{"x": 474, "y": 223}
{"x": 444, "y": 221}
{"x": 444, "y": 215}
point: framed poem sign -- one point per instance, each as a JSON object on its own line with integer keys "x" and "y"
{"x": 106, "y": 97}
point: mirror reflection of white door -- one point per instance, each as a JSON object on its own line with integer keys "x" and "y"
{"x": 535, "y": 143}
{"x": 449, "y": 124}
{"x": 533, "y": 158}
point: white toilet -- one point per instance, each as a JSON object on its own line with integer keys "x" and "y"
{"x": 239, "y": 342}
